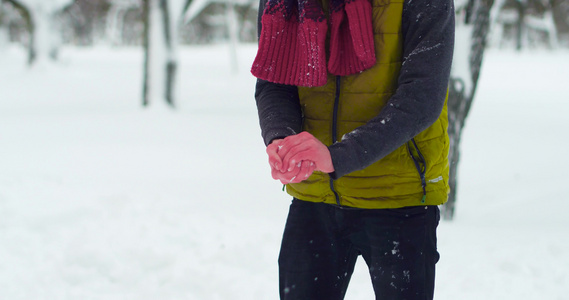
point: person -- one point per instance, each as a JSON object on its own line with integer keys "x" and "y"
{"x": 351, "y": 97}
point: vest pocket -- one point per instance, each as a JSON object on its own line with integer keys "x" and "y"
{"x": 420, "y": 164}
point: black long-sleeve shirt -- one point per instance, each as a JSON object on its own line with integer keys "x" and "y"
{"x": 428, "y": 42}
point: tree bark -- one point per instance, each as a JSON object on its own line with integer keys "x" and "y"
{"x": 160, "y": 64}
{"x": 461, "y": 95}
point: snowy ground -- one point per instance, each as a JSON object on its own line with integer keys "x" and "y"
{"x": 101, "y": 199}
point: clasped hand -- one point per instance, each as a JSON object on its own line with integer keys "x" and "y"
{"x": 296, "y": 157}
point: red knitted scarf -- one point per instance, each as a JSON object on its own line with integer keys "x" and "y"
{"x": 292, "y": 44}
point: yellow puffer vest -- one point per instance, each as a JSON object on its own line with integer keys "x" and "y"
{"x": 395, "y": 180}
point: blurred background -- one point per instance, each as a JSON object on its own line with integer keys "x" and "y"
{"x": 131, "y": 163}
{"x": 519, "y": 23}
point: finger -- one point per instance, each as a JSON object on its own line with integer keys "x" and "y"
{"x": 288, "y": 162}
{"x": 289, "y": 176}
{"x": 300, "y": 169}
{"x": 311, "y": 166}
{"x": 276, "y": 174}
{"x": 305, "y": 170}
{"x": 274, "y": 145}
{"x": 304, "y": 153}
{"x": 274, "y": 158}
{"x": 275, "y": 161}
{"x": 304, "y": 141}
{"x": 289, "y": 143}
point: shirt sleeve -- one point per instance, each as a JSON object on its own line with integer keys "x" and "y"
{"x": 278, "y": 105}
{"x": 279, "y": 110}
{"x": 428, "y": 42}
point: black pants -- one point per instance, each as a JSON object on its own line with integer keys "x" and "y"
{"x": 321, "y": 243}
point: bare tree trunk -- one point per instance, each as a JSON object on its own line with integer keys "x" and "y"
{"x": 160, "y": 62}
{"x": 171, "y": 64}
{"x": 146, "y": 44}
{"x": 521, "y": 9}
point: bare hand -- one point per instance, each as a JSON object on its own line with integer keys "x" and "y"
{"x": 303, "y": 147}
{"x": 295, "y": 174}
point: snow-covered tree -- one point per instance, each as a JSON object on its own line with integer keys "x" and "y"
{"x": 40, "y": 16}
{"x": 560, "y": 10}
{"x": 526, "y": 23}
{"x": 472, "y": 27}
{"x": 3, "y": 28}
{"x": 229, "y": 20}
{"x": 25, "y": 14}
{"x": 116, "y": 18}
{"x": 84, "y": 22}
{"x": 161, "y": 35}
{"x": 163, "y": 18}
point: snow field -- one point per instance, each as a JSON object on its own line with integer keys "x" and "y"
{"x": 102, "y": 199}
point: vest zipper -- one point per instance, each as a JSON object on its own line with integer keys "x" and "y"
{"x": 335, "y": 131}
{"x": 420, "y": 165}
